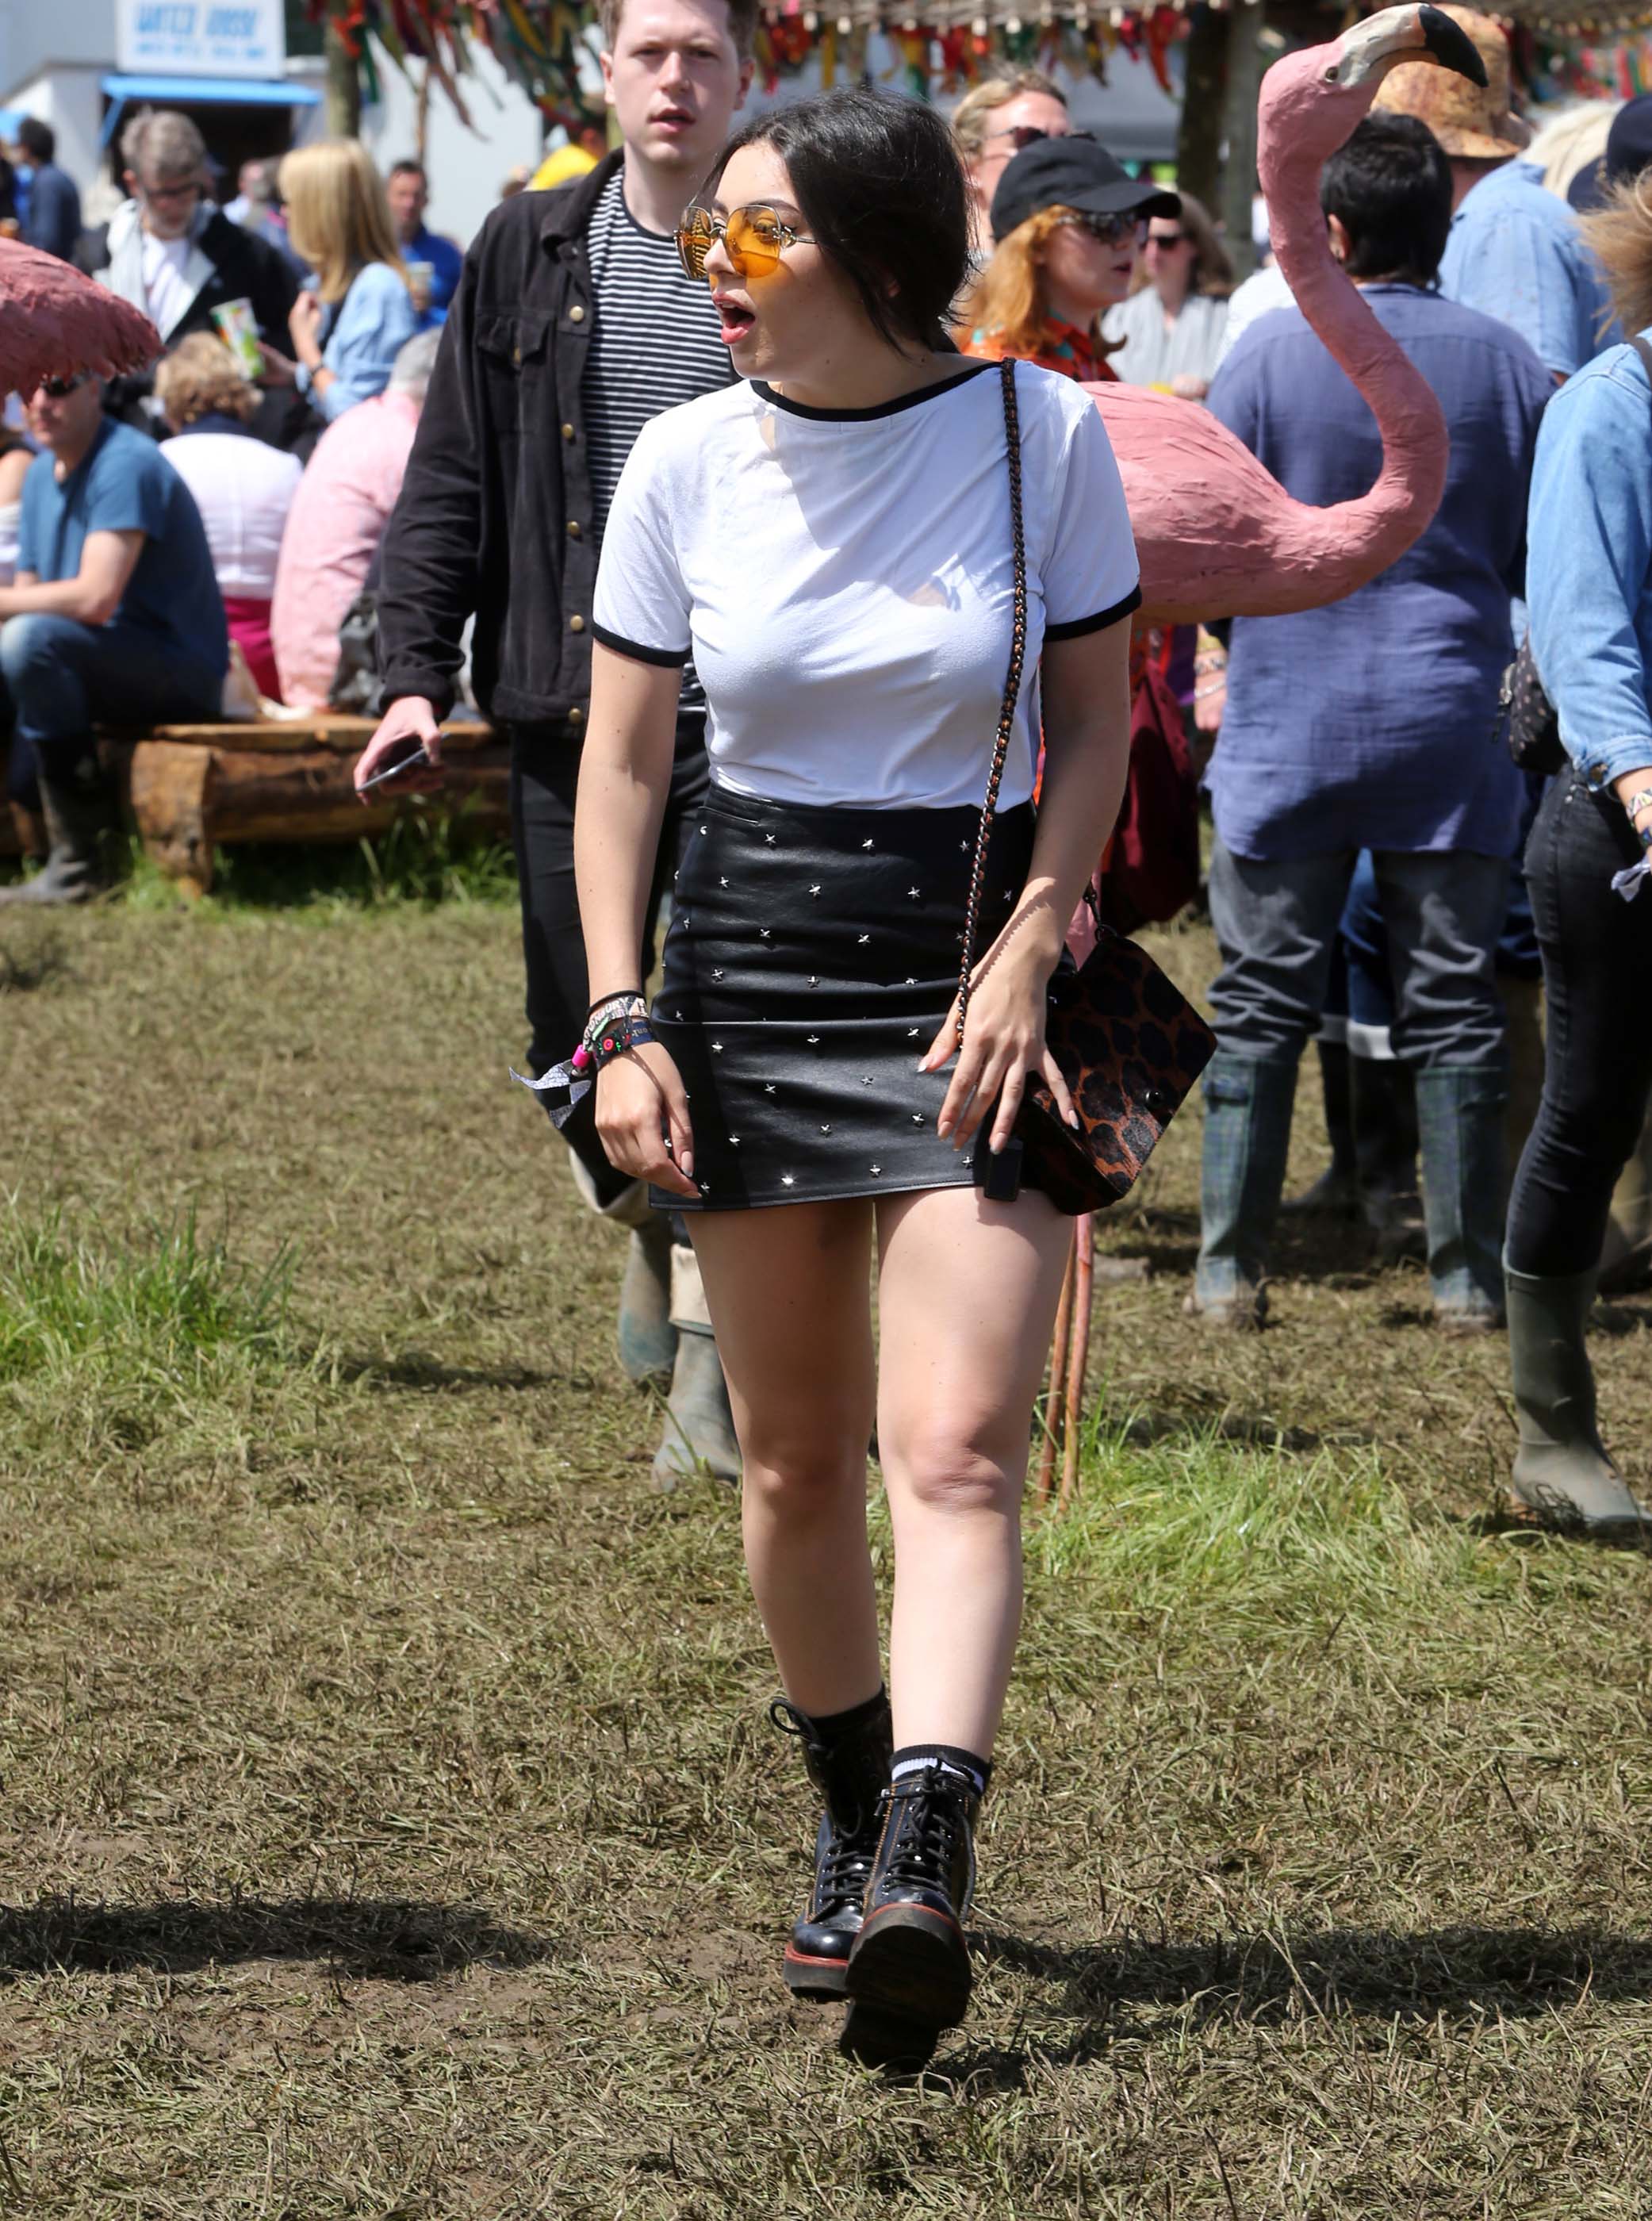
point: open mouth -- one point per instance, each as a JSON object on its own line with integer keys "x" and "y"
{"x": 735, "y": 321}
{"x": 675, "y": 119}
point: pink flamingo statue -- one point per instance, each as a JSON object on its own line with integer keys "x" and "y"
{"x": 53, "y": 323}
{"x": 1217, "y": 535}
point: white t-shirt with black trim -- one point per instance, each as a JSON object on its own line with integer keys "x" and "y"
{"x": 844, "y": 578}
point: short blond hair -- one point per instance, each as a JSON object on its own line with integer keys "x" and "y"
{"x": 742, "y": 25}
{"x": 969, "y": 117}
{"x": 1620, "y": 232}
{"x": 200, "y": 378}
{"x": 338, "y": 218}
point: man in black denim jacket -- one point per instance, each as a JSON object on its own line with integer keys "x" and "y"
{"x": 572, "y": 323}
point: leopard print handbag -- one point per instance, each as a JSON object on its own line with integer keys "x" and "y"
{"x": 1129, "y": 1043}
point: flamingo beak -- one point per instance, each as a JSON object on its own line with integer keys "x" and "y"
{"x": 1371, "y": 49}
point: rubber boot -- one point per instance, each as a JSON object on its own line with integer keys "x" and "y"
{"x": 909, "y": 1973}
{"x": 1626, "y": 1253}
{"x": 1336, "y": 1193}
{"x": 850, "y": 1772}
{"x": 78, "y": 819}
{"x": 1523, "y": 1005}
{"x": 648, "y": 1339}
{"x": 699, "y": 1435}
{"x": 1562, "y": 1474}
{"x": 1460, "y": 1132}
{"x": 1385, "y": 1146}
{"x": 1248, "y": 1105}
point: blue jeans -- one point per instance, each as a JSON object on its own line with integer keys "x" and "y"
{"x": 1276, "y": 924}
{"x": 64, "y": 677}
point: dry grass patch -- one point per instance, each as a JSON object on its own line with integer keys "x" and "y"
{"x": 390, "y": 1824}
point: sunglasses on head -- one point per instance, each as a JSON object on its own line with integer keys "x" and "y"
{"x": 59, "y": 388}
{"x": 753, "y": 239}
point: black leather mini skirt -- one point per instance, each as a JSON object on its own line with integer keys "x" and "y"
{"x": 811, "y": 958}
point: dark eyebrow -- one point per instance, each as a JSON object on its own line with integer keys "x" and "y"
{"x": 778, "y": 208}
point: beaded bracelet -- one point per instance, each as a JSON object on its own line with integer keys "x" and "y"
{"x": 1204, "y": 693}
{"x": 1638, "y": 801}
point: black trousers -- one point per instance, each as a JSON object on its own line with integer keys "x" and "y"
{"x": 1596, "y": 952}
{"x": 544, "y": 774}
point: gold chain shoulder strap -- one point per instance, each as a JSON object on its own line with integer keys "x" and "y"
{"x": 1011, "y": 691}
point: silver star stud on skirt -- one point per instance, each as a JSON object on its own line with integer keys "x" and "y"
{"x": 866, "y": 844}
{"x": 770, "y": 838}
{"x": 825, "y": 1130}
{"x": 914, "y": 892}
{"x": 716, "y": 971}
{"x": 876, "y": 1170}
{"x": 814, "y": 890}
{"x": 723, "y": 883}
{"x": 716, "y": 1048}
{"x": 813, "y": 1038}
{"x": 863, "y": 939}
{"x": 788, "y": 1180}
{"x": 768, "y": 1087}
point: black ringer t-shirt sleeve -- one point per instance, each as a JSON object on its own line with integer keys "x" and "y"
{"x": 666, "y": 657}
{"x": 1077, "y": 627}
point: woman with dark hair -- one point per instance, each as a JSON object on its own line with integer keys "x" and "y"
{"x": 832, "y": 539}
{"x": 1169, "y": 333}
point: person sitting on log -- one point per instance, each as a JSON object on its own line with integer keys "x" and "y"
{"x": 115, "y": 617}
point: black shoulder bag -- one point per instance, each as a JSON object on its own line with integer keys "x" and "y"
{"x": 1128, "y": 1042}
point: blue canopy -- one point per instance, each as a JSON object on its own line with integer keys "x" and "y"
{"x": 230, "y": 91}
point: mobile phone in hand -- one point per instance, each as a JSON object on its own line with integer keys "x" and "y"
{"x": 418, "y": 760}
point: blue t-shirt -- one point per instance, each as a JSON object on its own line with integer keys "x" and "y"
{"x": 1369, "y": 723}
{"x": 446, "y": 260}
{"x": 123, "y": 484}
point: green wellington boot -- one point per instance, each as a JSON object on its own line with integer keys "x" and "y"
{"x": 1248, "y": 1105}
{"x": 1563, "y": 1473}
{"x": 647, "y": 1338}
{"x": 1460, "y": 1135}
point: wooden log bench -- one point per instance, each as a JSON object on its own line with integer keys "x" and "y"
{"x": 193, "y": 789}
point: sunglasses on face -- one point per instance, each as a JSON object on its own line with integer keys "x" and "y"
{"x": 1020, "y": 136}
{"x": 59, "y": 388}
{"x": 753, "y": 239}
{"x": 1166, "y": 238}
{"x": 1110, "y": 230}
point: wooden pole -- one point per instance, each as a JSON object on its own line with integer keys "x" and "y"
{"x": 1057, "y": 1381}
{"x": 1198, "y": 135}
{"x": 1239, "y": 128}
{"x": 343, "y": 86}
{"x": 1083, "y": 1279}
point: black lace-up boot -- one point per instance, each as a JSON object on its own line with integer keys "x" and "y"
{"x": 910, "y": 1964}
{"x": 848, "y": 1757}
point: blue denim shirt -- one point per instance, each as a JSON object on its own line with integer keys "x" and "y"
{"x": 1514, "y": 251}
{"x": 1589, "y": 568}
{"x": 368, "y": 329}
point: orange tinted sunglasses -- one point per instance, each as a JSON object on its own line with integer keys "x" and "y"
{"x": 753, "y": 239}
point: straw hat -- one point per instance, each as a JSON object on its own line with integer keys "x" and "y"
{"x": 1473, "y": 123}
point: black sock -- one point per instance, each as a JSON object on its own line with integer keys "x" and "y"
{"x": 830, "y": 1725}
{"x": 977, "y": 1771}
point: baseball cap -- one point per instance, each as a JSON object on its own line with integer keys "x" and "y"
{"x": 1072, "y": 172}
{"x": 1629, "y": 150}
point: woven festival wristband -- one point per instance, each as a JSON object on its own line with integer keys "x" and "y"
{"x": 616, "y": 1040}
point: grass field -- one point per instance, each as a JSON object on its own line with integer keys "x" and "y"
{"x": 390, "y": 1825}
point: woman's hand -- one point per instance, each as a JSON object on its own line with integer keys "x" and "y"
{"x": 1635, "y": 788}
{"x": 1187, "y": 385}
{"x": 279, "y": 369}
{"x": 1003, "y": 1039}
{"x": 305, "y": 323}
{"x": 642, "y": 1120}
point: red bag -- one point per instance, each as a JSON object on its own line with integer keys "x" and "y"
{"x": 1150, "y": 870}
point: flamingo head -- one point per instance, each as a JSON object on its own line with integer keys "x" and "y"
{"x": 1312, "y": 101}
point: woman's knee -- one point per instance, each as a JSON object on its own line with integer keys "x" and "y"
{"x": 799, "y": 1470}
{"x": 956, "y": 1469}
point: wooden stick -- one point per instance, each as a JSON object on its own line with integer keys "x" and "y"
{"x": 1057, "y": 1384}
{"x": 1084, "y": 1279}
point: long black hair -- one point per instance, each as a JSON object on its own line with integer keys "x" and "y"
{"x": 878, "y": 180}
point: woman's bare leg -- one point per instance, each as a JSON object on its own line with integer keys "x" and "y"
{"x": 789, "y": 1290}
{"x": 967, "y": 1296}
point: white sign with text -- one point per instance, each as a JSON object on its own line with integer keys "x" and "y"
{"x": 202, "y": 38}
